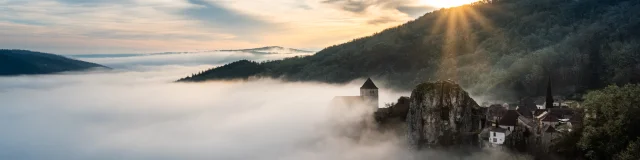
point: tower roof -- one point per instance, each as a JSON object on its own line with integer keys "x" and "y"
{"x": 369, "y": 85}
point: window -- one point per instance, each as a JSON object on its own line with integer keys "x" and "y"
{"x": 494, "y": 134}
{"x": 495, "y": 140}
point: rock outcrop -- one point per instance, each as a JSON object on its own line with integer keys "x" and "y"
{"x": 441, "y": 114}
{"x": 395, "y": 111}
{"x": 393, "y": 118}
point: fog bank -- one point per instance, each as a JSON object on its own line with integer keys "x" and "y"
{"x": 183, "y": 59}
{"x": 140, "y": 114}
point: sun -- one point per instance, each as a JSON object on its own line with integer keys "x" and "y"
{"x": 446, "y": 3}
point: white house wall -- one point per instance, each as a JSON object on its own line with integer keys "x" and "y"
{"x": 496, "y": 137}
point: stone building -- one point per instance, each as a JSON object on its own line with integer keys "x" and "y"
{"x": 369, "y": 93}
{"x": 350, "y": 116}
{"x": 368, "y": 97}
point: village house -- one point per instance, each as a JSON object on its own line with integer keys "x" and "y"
{"x": 497, "y": 135}
{"x": 546, "y": 122}
{"x": 494, "y": 113}
{"x": 509, "y": 121}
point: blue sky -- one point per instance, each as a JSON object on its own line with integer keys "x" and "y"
{"x": 140, "y": 26}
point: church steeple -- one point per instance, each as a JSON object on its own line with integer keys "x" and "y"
{"x": 549, "y": 99}
{"x": 369, "y": 93}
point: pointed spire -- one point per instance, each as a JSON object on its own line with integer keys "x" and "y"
{"x": 369, "y": 85}
{"x": 549, "y": 100}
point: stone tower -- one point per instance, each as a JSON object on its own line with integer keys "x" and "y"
{"x": 369, "y": 93}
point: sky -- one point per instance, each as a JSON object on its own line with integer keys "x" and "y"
{"x": 143, "y": 26}
{"x": 137, "y": 112}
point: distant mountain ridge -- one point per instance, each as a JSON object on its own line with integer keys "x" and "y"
{"x": 23, "y": 62}
{"x": 261, "y": 50}
{"x": 270, "y": 50}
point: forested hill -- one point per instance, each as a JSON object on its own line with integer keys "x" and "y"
{"x": 22, "y": 62}
{"x": 490, "y": 46}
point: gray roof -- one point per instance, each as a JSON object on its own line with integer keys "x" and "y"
{"x": 510, "y": 118}
{"x": 498, "y": 129}
{"x": 369, "y": 85}
{"x": 550, "y": 129}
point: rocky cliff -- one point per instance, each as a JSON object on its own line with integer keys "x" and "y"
{"x": 441, "y": 114}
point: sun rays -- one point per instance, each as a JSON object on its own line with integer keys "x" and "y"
{"x": 458, "y": 27}
{"x": 446, "y": 3}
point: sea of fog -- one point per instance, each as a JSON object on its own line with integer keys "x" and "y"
{"x": 179, "y": 58}
{"x": 136, "y": 112}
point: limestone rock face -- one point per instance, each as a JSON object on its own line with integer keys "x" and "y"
{"x": 441, "y": 114}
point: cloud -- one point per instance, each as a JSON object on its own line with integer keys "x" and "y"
{"x": 409, "y": 7}
{"x": 214, "y": 58}
{"x": 130, "y": 26}
{"x": 352, "y": 5}
{"x": 380, "y": 12}
{"x": 416, "y": 11}
{"x": 381, "y": 20}
{"x": 235, "y": 22}
{"x": 138, "y": 114}
{"x": 111, "y": 25}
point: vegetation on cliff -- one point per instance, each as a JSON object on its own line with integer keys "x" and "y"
{"x": 612, "y": 122}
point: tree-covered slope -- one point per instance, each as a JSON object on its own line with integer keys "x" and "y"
{"x": 22, "y": 62}
{"x": 611, "y": 132}
{"x": 240, "y": 69}
{"x": 490, "y": 46}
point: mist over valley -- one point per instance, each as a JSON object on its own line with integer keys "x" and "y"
{"x": 139, "y": 113}
{"x": 372, "y": 79}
